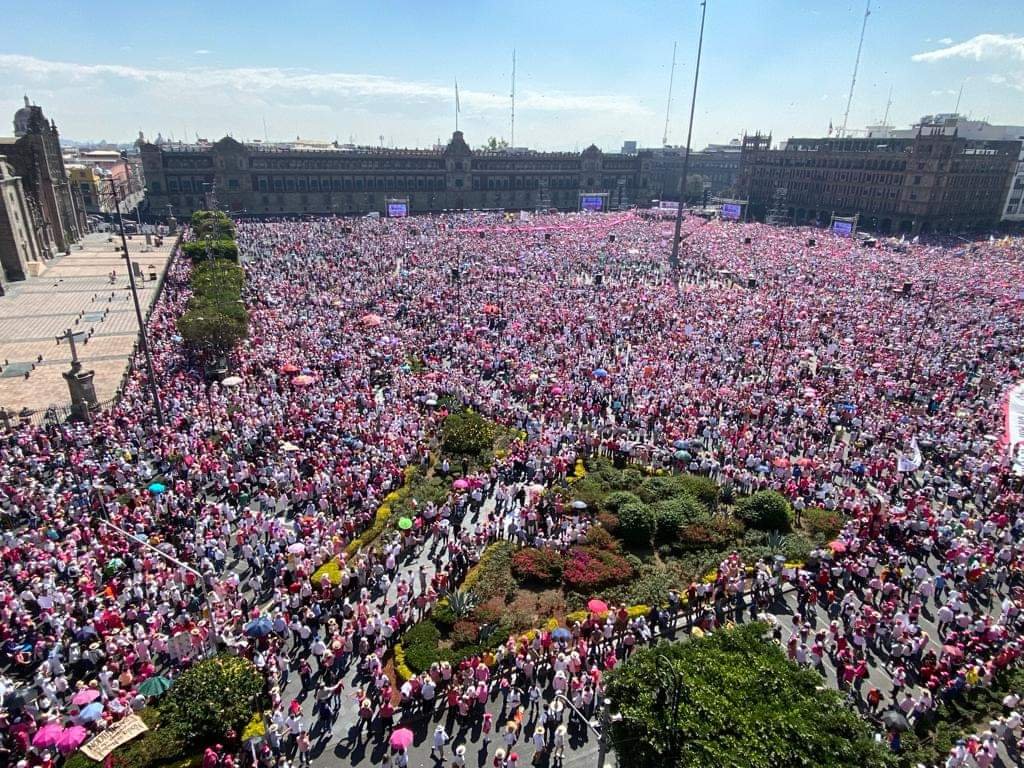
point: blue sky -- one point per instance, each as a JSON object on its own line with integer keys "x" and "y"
{"x": 592, "y": 71}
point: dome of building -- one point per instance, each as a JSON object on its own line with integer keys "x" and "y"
{"x": 22, "y": 118}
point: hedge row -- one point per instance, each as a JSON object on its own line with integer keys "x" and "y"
{"x": 215, "y": 319}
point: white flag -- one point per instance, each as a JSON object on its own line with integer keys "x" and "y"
{"x": 912, "y": 462}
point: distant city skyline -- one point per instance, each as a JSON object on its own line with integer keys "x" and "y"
{"x": 595, "y": 72}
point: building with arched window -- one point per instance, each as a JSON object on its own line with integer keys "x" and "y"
{"x": 304, "y": 178}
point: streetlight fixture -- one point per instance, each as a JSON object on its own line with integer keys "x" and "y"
{"x": 150, "y": 373}
{"x": 602, "y": 730}
{"x": 104, "y": 519}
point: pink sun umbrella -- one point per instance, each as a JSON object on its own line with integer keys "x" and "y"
{"x": 47, "y": 736}
{"x": 85, "y": 696}
{"x": 597, "y": 606}
{"x": 303, "y": 381}
{"x": 461, "y": 484}
{"x": 401, "y": 739}
{"x": 71, "y": 739}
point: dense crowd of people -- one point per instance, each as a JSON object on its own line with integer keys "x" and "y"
{"x": 777, "y": 364}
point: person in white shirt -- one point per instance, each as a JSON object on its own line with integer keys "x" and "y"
{"x": 440, "y": 739}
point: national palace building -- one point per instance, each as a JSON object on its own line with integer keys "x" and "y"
{"x": 296, "y": 179}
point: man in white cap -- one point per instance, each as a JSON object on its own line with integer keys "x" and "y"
{"x": 440, "y": 739}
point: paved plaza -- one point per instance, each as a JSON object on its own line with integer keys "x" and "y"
{"x": 74, "y": 292}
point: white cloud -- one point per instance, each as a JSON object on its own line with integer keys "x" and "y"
{"x": 201, "y": 52}
{"x": 945, "y": 40}
{"x": 979, "y": 47}
{"x": 304, "y": 84}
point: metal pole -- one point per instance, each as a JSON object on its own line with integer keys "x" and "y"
{"x": 138, "y": 311}
{"x": 603, "y": 734}
{"x": 674, "y": 260}
{"x": 173, "y": 561}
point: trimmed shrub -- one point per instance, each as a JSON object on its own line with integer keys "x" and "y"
{"x": 766, "y": 511}
{"x": 821, "y": 524}
{"x": 673, "y": 513}
{"x": 215, "y": 318}
{"x": 608, "y": 521}
{"x": 538, "y": 566}
{"x": 637, "y": 522}
{"x": 714, "y": 534}
{"x": 703, "y": 489}
{"x": 492, "y": 576}
{"x": 600, "y": 538}
{"x": 467, "y": 433}
{"x": 205, "y": 249}
{"x": 588, "y": 569}
{"x": 464, "y": 632}
{"x": 421, "y": 644}
{"x": 614, "y": 501}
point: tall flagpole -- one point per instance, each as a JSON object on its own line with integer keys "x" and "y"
{"x": 512, "y": 138}
{"x": 674, "y": 259}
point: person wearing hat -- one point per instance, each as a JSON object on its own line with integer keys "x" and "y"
{"x": 561, "y": 737}
{"x": 440, "y": 739}
{"x": 459, "y": 760}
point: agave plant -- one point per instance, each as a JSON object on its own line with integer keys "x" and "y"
{"x": 461, "y": 603}
{"x": 775, "y": 542}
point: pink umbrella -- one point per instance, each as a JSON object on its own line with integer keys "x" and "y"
{"x": 461, "y": 484}
{"x": 838, "y": 546}
{"x": 371, "y": 320}
{"x": 303, "y": 381}
{"x": 47, "y": 736}
{"x": 85, "y": 696}
{"x": 72, "y": 739}
{"x": 597, "y": 606}
{"x": 401, "y": 739}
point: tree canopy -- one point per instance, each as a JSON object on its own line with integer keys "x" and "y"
{"x": 741, "y": 704}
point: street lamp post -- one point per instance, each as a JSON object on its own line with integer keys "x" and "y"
{"x": 674, "y": 260}
{"x": 150, "y": 373}
{"x": 104, "y": 520}
{"x": 604, "y": 733}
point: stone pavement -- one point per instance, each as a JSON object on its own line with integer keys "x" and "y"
{"x": 74, "y": 292}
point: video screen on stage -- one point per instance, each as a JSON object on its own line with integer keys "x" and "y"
{"x": 397, "y": 209}
{"x": 731, "y": 211}
{"x": 592, "y": 203}
{"x": 842, "y": 228}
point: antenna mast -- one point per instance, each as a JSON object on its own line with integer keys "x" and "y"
{"x": 956, "y": 109}
{"x": 668, "y": 106}
{"x": 512, "y": 138}
{"x": 856, "y": 66}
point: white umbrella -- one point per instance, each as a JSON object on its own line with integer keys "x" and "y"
{"x": 289, "y": 447}
{"x": 297, "y": 548}
{"x": 232, "y": 381}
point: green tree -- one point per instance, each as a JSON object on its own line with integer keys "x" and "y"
{"x": 637, "y": 522}
{"x": 732, "y": 699}
{"x": 493, "y": 143}
{"x": 212, "y": 697}
{"x": 766, "y": 511}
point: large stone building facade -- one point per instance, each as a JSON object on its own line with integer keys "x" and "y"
{"x": 932, "y": 181}
{"x": 35, "y": 155}
{"x": 20, "y": 252}
{"x": 262, "y": 179}
{"x": 715, "y": 169}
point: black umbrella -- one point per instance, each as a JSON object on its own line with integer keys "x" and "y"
{"x": 894, "y": 720}
{"x": 85, "y": 634}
